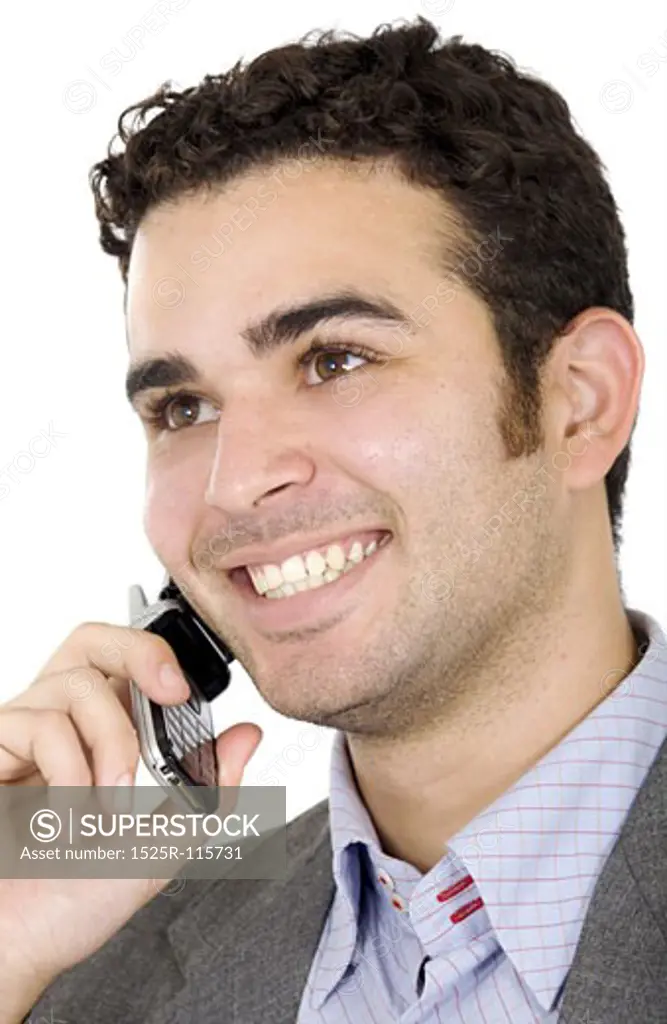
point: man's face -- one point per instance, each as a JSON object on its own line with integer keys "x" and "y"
{"x": 277, "y": 453}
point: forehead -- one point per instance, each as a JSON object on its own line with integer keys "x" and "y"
{"x": 276, "y": 235}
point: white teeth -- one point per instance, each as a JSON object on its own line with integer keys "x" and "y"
{"x": 315, "y": 563}
{"x": 258, "y": 579}
{"x": 273, "y": 576}
{"x": 335, "y": 557}
{"x": 293, "y": 569}
{"x": 356, "y": 552}
{"x": 298, "y": 573}
{"x": 287, "y": 589}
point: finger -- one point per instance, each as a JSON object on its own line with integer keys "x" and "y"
{"x": 109, "y": 734}
{"x": 101, "y": 720}
{"x": 123, "y": 652}
{"x": 235, "y": 746}
{"x": 45, "y": 738}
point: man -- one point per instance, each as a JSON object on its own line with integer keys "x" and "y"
{"x": 380, "y": 337}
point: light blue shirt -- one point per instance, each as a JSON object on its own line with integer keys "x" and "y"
{"x": 500, "y": 915}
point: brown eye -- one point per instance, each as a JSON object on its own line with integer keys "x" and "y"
{"x": 173, "y": 412}
{"x": 187, "y": 416}
{"x": 330, "y": 364}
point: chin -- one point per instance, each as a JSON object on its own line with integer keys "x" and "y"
{"x": 353, "y": 713}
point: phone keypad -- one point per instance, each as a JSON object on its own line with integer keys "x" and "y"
{"x": 192, "y": 743}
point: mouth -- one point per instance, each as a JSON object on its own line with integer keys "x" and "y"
{"x": 312, "y": 588}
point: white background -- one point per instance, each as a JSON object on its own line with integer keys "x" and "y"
{"x": 72, "y": 538}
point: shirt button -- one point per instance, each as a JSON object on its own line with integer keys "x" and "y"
{"x": 398, "y": 902}
{"x": 386, "y": 880}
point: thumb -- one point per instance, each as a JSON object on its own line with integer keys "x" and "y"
{"x": 235, "y": 746}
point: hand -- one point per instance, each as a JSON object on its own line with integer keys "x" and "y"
{"x": 50, "y": 736}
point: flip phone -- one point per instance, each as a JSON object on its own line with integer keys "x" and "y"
{"x": 177, "y": 742}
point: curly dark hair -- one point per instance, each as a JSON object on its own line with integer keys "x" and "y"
{"x": 498, "y": 145}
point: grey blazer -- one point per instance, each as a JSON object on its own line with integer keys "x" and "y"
{"x": 238, "y": 951}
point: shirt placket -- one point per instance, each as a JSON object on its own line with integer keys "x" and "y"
{"x": 446, "y": 920}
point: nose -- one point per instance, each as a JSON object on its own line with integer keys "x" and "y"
{"x": 260, "y": 457}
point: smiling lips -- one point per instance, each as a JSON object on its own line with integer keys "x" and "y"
{"x": 314, "y": 568}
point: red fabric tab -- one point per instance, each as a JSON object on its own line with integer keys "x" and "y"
{"x": 454, "y": 890}
{"x": 466, "y": 910}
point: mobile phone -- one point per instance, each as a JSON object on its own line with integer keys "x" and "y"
{"x": 177, "y": 742}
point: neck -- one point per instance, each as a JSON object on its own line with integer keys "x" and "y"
{"x": 545, "y": 679}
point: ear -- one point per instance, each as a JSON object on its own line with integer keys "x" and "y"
{"x": 595, "y": 381}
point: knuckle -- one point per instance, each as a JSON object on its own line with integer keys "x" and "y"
{"x": 53, "y": 719}
{"x": 81, "y": 682}
{"x": 84, "y": 630}
{"x": 71, "y": 680}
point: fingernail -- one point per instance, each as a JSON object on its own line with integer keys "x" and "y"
{"x": 126, "y": 779}
{"x": 171, "y": 678}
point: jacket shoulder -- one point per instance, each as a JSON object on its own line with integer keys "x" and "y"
{"x": 137, "y": 970}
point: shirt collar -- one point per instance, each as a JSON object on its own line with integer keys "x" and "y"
{"x": 513, "y": 845}
{"x": 550, "y": 833}
{"x": 351, "y": 829}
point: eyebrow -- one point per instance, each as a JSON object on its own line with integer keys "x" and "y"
{"x": 283, "y": 326}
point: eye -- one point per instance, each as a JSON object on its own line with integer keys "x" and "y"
{"x": 332, "y": 358}
{"x": 162, "y": 413}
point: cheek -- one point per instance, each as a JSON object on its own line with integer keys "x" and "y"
{"x": 385, "y": 434}
{"x": 395, "y": 450}
{"x": 171, "y": 506}
{"x": 400, "y": 442}
{"x": 432, "y": 448}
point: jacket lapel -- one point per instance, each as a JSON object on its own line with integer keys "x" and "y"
{"x": 246, "y": 948}
{"x": 619, "y": 972}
